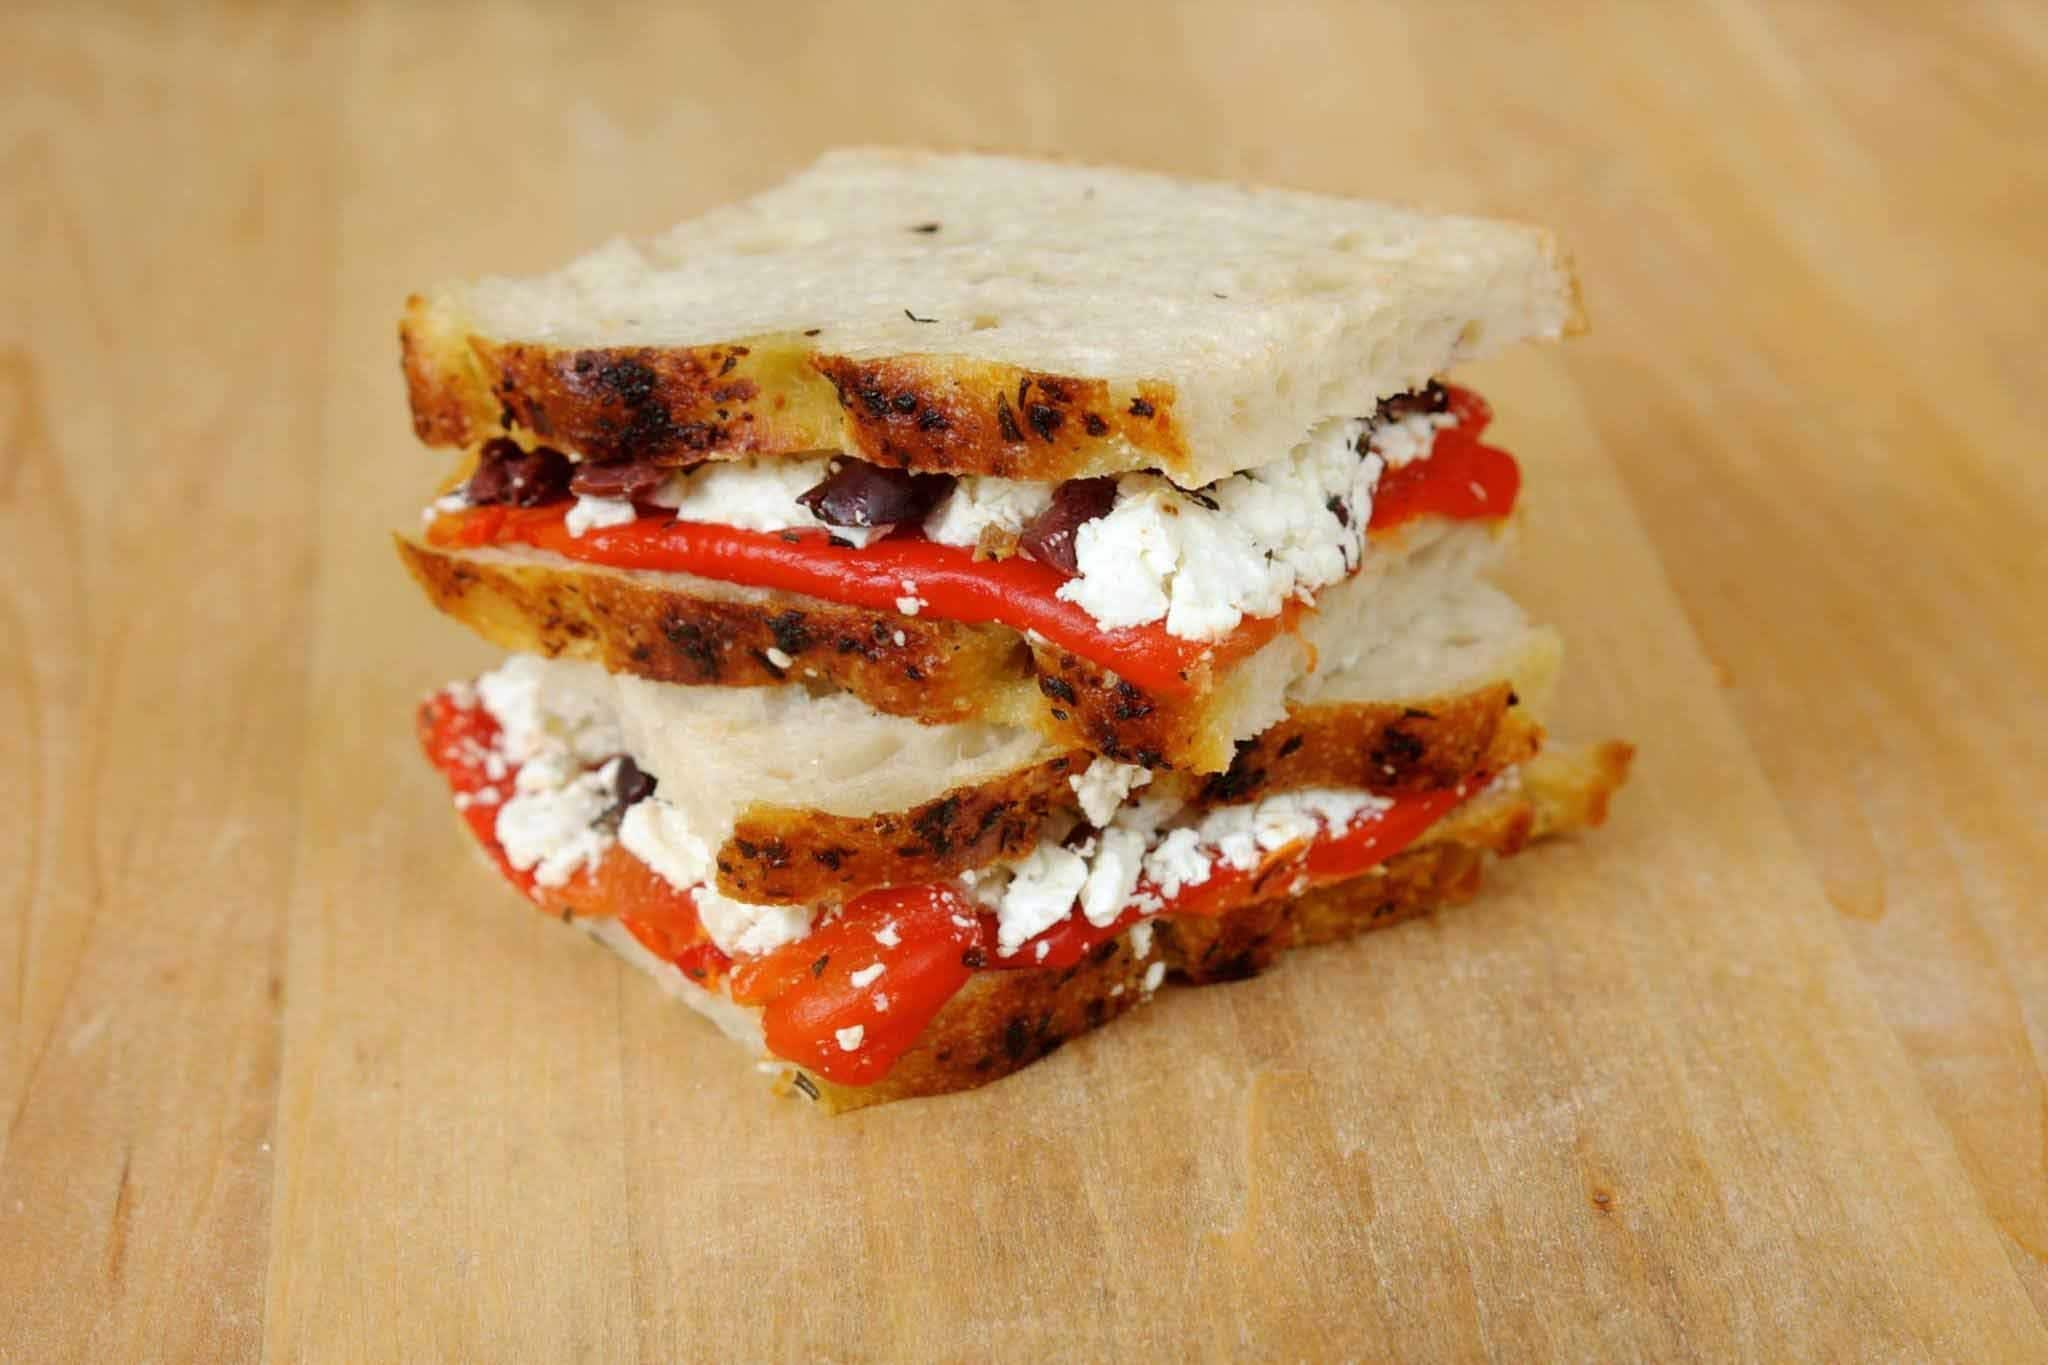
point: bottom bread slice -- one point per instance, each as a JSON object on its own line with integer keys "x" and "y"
{"x": 1001, "y": 1021}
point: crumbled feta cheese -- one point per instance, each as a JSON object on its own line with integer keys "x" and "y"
{"x": 866, "y": 976}
{"x": 910, "y": 606}
{"x": 659, "y": 835}
{"x": 1154, "y": 975}
{"x": 1410, "y": 439}
{"x": 589, "y": 512}
{"x": 1112, "y": 875}
{"x": 1041, "y": 892}
{"x": 554, "y": 723}
{"x": 977, "y": 504}
{"x": 1141, "y": 939}
{"x": 753, "y": 494}
{"x": 1135, "y": 862}
{"x": 881, "y": 1000}
{"x": 778, "y": 658}
{"x": 887, "y": 935}
{"x": 850, "y": 1038}
{"x": 900, "y": 638}
{"x": 550, "y": 827}
{"x": 1043, "y": 950}
{"x": 1103, "y": 787}
{"x": 1205, "y": 561}
{"x": 1178, "y": 862}
{"x": 741, "y": 929}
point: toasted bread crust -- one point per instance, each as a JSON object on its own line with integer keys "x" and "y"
{"x": 935, "y": 671}
{"x": 1003, "y": 1021}
{"x": 1394, "y": 748}
{"x": 778, "y": 855}
{"x": 942, "y": 672}
{"x": 779, "y": 395}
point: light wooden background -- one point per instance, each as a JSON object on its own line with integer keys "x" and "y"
{"x": 1755, "y": 1073}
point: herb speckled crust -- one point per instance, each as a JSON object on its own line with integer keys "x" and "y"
{"x": 779, "y": 855}
{"x": 786, "y": 394}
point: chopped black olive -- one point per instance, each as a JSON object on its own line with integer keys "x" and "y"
{"x": 862, "y": 494}
{"x": 1049, "y": 538}
{"x": 505, "y": 474}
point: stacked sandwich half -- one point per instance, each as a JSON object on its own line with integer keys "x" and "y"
{"x": 950, "y": 596}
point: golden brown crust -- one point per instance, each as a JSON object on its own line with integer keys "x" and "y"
{"x": 1088, "y": 705}
{"x": 783, "y": 394}
{"x": 1004, "y": 1021}
{"x": 782, "y": 856}
{"x": 1394, "y": 748}
{"x": 935, "y": 671}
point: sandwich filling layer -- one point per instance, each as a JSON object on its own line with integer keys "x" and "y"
{"x": 1134, "y": 573}
{"x": 580, "y": 828}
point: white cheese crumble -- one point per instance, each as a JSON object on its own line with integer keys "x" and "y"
{"x": 867, "y": 975}
{"x": 978, "y": 504}
{"x": 1280, "y": 530}
{"x": 589, "y": 512}
{"x": 555, "y": 726}
{"x": 740, "y": 928}
{"x": 850, "y": 1038}
{"x": 1408, "y": 439}
{"x": 550, "y": 827}
{"x": 778, "y": 658}
{"x": 755, "y": 495}
{"x": 659, "y": 835}
{"x": 1105, "y": 786}
{"x": 1154, "y": 976}
{"x": 1041, "y": 892}
{"x": 1141, "y": 940}
{"x": 1101, "y": 876}
{"x": 910, "y": 606}
{"x": 887, "y": 935}
{"x": 1112, "y": 875}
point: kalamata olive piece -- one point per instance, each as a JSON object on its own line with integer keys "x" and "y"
{"x": 522, "y": 478}
{"x": 862, "y": 494}
{"x": 617, "y": 478}
{"x": 630, "y": 786}
{"x": 1049, "y": 538}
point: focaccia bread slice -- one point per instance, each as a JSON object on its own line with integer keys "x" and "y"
{"x": 1002, "y": 1021}
{"x": 983, "y": 315}
{"x": 1416, "y": 623}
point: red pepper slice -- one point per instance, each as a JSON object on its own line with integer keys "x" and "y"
{"x": 829, "y": 1010}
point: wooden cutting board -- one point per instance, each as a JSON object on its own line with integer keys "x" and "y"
{"x": 1755, "y": 1072}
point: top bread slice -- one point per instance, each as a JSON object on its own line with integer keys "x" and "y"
{"x": 983, "y": 314}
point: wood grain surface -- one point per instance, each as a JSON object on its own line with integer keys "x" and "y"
{"x": 1757, "y": 1072}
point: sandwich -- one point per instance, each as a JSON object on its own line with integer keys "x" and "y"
{"x": 947, "y": 597}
